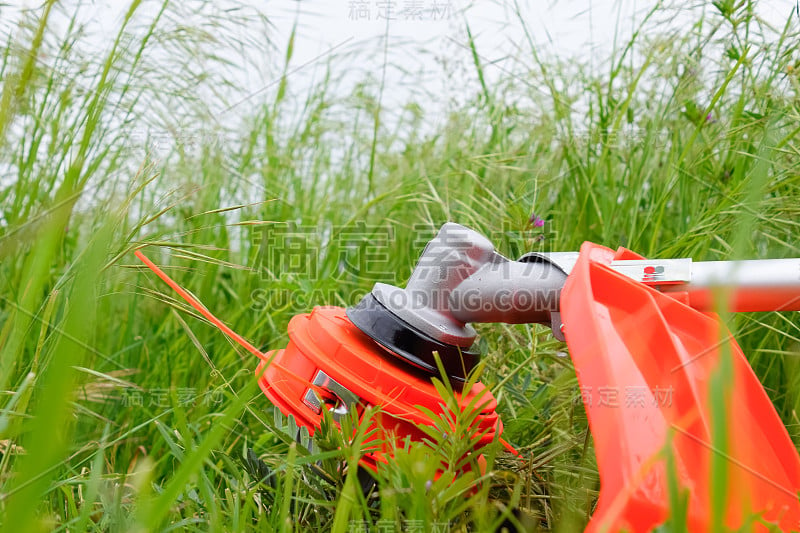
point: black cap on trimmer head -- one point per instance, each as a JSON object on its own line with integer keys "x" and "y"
{"x": 409, "y": 344}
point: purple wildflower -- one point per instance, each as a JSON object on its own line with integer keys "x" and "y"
{"x": 536, "y": 220}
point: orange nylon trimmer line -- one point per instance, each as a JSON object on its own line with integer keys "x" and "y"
{"x": 195, "y": 303}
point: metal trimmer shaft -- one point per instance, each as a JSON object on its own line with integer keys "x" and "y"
{"x": 752, "y": 285}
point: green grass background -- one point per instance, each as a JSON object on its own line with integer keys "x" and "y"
{"x": 122, "y": 410}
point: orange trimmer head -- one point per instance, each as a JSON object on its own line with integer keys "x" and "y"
{"x": 347, "y": 372}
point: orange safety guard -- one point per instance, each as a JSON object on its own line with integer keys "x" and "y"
{"x": 644, "y": 361}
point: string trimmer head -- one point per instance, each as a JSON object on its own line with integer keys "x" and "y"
{"x": 383, "y": 351}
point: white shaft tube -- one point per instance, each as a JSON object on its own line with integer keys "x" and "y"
{"x": 755, "y": 285}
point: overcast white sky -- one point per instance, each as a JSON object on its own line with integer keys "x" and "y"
{"x": 425, "y": 34}
{"x": 426, "y": 50}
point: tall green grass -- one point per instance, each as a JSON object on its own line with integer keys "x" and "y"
{"x": 121, "y": 409}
